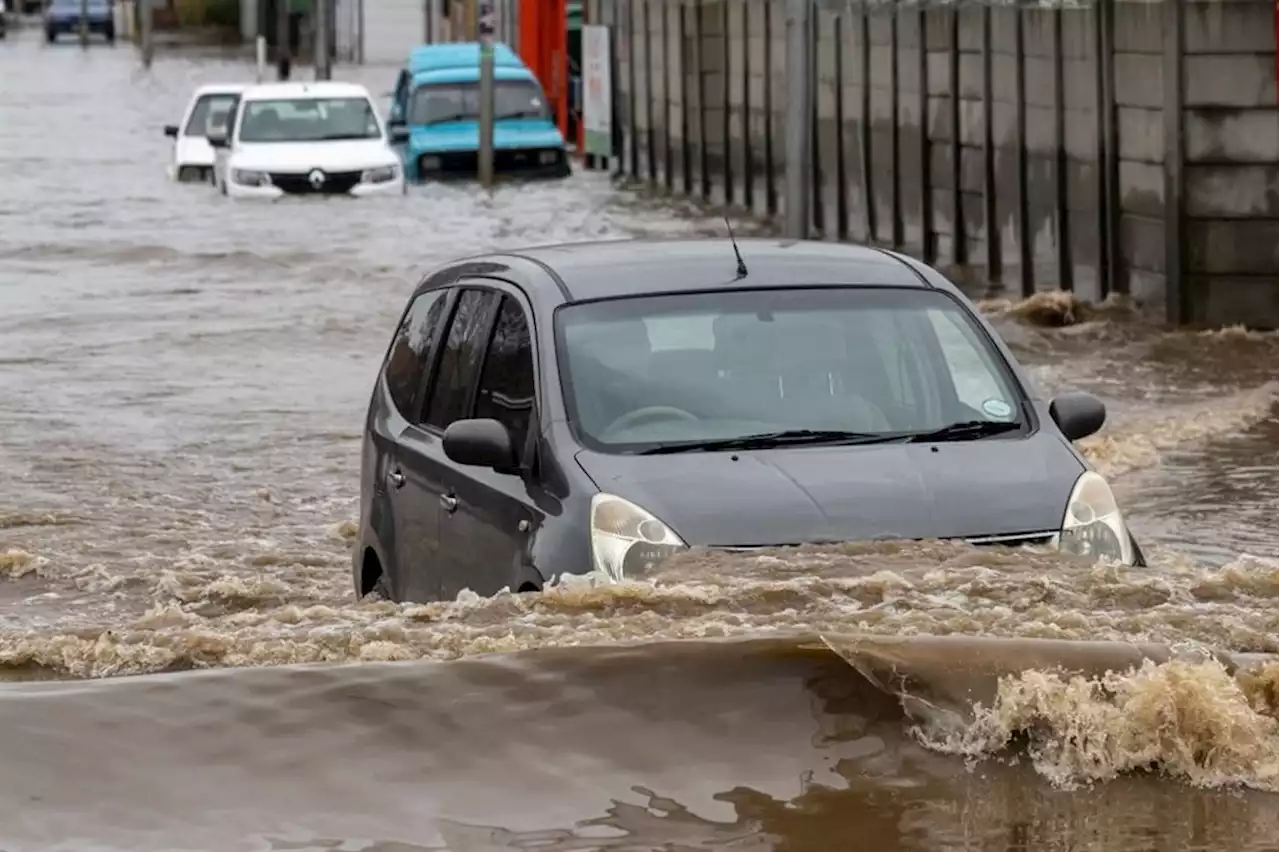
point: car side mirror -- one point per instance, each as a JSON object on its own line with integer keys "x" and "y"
{"x": 481, "y": 442}
{"x": 171, "y": 130}
{"x": 398, "y": 132}
{"x": 1078, "y": 414}
{"x": 217, "y": 137}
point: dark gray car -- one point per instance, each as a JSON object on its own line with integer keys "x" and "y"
{"x": 601, "y": 406}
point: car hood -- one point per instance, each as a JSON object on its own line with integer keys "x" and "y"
{"x": 813, "y": 494}
{"x": 335, "y": 156}
{"x": 193, "y": 151}
{"x": 465, "y": 136}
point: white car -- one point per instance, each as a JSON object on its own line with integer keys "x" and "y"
{"x": 210, "y": 106}
{"x": 306, "y": 139}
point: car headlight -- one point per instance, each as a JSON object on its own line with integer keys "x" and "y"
{"x": 626, "y": 540}
{"x": 382, "y": 174}
{"x": 428, "y": 163}
{"x": 1092, "y": 526}
{"x": 249, "y": 177}
{"x": 548, "y": 158}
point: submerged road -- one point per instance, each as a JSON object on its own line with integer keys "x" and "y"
{"x": 183, "y": 380}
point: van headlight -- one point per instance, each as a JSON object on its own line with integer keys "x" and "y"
{"x": 382, "y": 174}
{"x": 626, "y": 540}
{"x": 1092, "y": 526}
{"x": 249, "y": 177}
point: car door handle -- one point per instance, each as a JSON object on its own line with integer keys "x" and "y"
{"x": 396, "y": 478}
{"x": 449, "y": 502}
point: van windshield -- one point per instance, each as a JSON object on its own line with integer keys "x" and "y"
{"x": 309, "y": 120}
{"x": 433, "y": 103}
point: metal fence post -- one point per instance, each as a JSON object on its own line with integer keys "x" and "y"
{"x": 284, "y": 60}
{"x": 1177, "y": 297}
{"x": 485, "y": 23}
{"x": 323, "y": 24}
{"x": 146, "y": 38}
{"x": 799, "y": 121}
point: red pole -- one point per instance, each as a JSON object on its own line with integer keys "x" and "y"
{"x": 560, "y": 55}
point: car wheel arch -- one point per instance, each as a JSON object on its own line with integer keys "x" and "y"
{"x": 372, "y": 572}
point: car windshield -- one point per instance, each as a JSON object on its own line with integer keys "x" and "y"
{"x": 439, "y": 102}
{"x": 308, "y": 120}
{"x": 210, "y": 111}
{"x": 640, "y": 373}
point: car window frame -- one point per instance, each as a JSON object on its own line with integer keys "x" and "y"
{"x": 417, "y": 401}
{"x": 233, "y": 121}
{"x": 532, "y": 429}
{"x": 195, "y": 104}
{"x": 484, "y": 330}
{"x": 1001, "y": 359}
{"x": 498, "y": 288}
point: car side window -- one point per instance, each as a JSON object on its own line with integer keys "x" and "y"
{"x": 411, "y": 350}
{"x": 450, "y": 391}
{"x": 506, "y": 389}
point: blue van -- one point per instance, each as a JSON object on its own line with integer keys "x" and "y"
{"x": 437, "y": 96}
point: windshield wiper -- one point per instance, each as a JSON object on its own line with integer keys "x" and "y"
{"x": 333, "y": 137}
{"x": 968, "y": 430}
{"x": 521, "y": 113}
{"x": 458, "y": 116}
{"x": 769, "y": 440}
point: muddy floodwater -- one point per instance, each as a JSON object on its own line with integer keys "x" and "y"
{"x": 182, "y": 384}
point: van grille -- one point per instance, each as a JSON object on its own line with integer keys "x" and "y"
{"x": 299, "y": 183}
{"x": 505, "y": 160}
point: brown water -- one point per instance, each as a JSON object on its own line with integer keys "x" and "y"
{"x": 183, "y": 380}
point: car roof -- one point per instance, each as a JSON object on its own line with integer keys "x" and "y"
{"x": 221, "y": 89}
{"x": 325, "y": 89}
{"x": 616, "y": 268}
{"x": 469, "y": 74}
{"x": 432, "y": 57}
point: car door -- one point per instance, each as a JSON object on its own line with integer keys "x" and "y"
{"x": 396, "y": 112}
{"x": 424, "y": 467}
{"x": 221, "y": 155}
{"x": 489, "y": 515}
{"x": 407, "y": 535}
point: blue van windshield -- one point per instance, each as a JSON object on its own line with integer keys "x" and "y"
{"x": 434, "y": 103}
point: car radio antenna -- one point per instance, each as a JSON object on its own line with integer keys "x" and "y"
{"x": 742, "y": 265}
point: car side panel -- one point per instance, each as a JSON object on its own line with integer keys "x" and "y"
{"x": 418, "y": 566}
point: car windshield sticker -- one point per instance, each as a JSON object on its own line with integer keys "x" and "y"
{"x": 998, "y": 408}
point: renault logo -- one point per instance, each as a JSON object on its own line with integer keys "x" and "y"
{"x": 316, "y": 179}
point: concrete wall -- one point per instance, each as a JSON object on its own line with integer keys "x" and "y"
{"x": 1229, "y": 154}
{"x": 392, "y": 28}
{"x": 1124, "y": 147}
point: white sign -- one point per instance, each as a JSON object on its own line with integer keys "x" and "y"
{"x": 597, "y": 91}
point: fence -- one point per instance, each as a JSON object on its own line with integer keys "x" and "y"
{"x": 1120, "y": 147}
